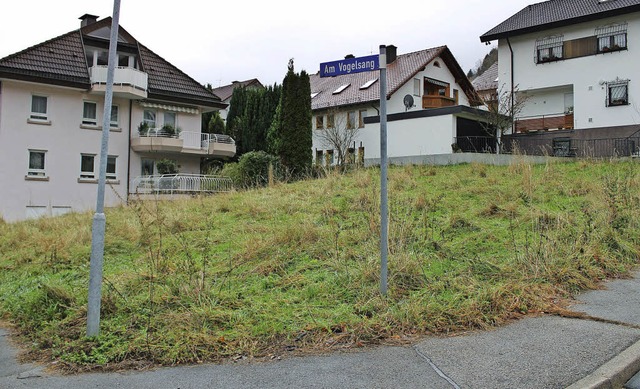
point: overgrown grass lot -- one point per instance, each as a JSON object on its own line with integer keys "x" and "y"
{"x": 295, "y": 267}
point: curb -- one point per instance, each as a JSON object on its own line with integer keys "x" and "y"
{"x": 615, "y": 373}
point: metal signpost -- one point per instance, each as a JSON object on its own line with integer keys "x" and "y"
{"x": 368, "y": 64}
{"x": 99, "y": 219}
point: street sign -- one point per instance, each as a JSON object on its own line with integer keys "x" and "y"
{"x": 350, "y": 65}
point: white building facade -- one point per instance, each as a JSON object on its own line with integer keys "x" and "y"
{"x": 426, "y": 90}
{"x": 575, "y": 68}
{"x": 51, "y": 116}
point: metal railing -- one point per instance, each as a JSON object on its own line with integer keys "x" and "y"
{"x": 555, "y": 147}
{"x": 567, "y": 147}
{"x": 180, "y": 183}
{"x": 191, "y": 139}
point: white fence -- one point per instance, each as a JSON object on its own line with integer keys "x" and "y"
{"x": 180, "y": 183}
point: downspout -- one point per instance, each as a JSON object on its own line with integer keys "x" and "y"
{"x": 129, "y": 154}
{"x": 512, "y": 86}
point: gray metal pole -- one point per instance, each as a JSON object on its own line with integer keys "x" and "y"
{"x": 384, "y": 206}
{"x": 99, "y": 219}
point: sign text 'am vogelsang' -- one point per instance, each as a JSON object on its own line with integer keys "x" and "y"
{"x": 350, "y": 65}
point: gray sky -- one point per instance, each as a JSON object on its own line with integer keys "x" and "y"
{"x": 219, "y": 42}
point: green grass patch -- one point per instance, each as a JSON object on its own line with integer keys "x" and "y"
{"x": 296, "y": 266}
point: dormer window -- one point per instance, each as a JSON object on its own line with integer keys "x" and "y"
{"x": 341, "y": 89}
{"x": 368, "y": 84}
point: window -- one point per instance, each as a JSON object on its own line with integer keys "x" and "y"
{"x": 89, "y": 113}
{"x": 114, "y": 117}
{"x": 362, "y": 115}
{"x": 87, "y": 166}
{"x": 341, "y": 88}
{"x": 549, "y": 49}
{"x": 111, "y": 167}
{"x": 318, "y": 157}
{"x": 36, "y": 211}
{"x": 612, "y": 38}
{"x": 617, "y": 93}
{"x": 416, "y": 87}
{"x": 319, "y": 121}
{"x": 368, "y": 84}
{"x": 39, "y": 108}
{"x": 36, "y": 163}
{"x": 147, "y": 167}
{"x": 433, "y": 87}
{"x": 351, "y": 120}
{"x": 170, "y": 119}
{"x": 149, "y": 117}
{"x": 330, "y": 121}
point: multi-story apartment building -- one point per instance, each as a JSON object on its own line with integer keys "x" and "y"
{"x": 51, "y": 104}
{"x": 573, "y": 65}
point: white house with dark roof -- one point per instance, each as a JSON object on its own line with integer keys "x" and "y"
{"x": 486, "y": 84}
{"x": 431, "y": 80}
{"x": 51, "y": 104}
{"x": 574, "y": 62}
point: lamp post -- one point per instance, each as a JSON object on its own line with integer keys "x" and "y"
{"x": 99, "y": 219}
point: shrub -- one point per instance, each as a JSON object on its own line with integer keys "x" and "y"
{"x": 252, "y": 170}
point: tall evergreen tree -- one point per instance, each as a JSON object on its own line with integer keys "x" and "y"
{"x": 290, "y": 136}
{"x": 235, "y": 116}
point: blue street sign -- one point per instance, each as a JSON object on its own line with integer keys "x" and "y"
{"x": 350, "y": 65}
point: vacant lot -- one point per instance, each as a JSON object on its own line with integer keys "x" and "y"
{"x": 296, "y": 266}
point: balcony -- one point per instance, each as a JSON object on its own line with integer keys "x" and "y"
{"x": 558, "y": 121}
{"x": 186, "y": 142}
{"x": 437, "y": 101}
{"x": 128, "y": 82}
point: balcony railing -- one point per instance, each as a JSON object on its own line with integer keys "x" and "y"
{"x": 437, "y": 101}
{"x": 544, "y": 122}
{"x": 121, "y": 76}
{"x": 180, "y": 184}
{"x": 192, "y": 142}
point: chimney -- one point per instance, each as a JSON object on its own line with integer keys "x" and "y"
{"x": 349, "y": 56}
{"x": 392, "y": 54}
{"x": 87, "y": 19}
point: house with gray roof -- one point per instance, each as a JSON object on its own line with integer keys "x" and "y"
{"x": 51, "y": 122}
{"x": 225, "y": 93}
{"x": 430, "y": 103}
{"x": 486, "y": 84}
{"x": 573, "y": 65}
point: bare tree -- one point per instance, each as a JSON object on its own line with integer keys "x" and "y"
{"x": 338, "y": 133}
{"x": 502, "y": 110}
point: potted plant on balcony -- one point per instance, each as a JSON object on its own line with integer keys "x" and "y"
{"x": 143, "y": 128}
{"x": 168, "y": 130}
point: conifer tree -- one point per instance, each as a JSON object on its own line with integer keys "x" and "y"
{"x": 290, "y": 136}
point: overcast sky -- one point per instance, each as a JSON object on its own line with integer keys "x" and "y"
{"x": 219, "y": 42}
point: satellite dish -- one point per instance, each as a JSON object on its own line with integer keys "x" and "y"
{"x": 408, "y": 102}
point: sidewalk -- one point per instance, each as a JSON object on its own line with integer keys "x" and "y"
{"x": 601, "y": 351}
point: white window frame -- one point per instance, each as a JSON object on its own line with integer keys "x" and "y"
{"x": 361, "y": 115}
{"x": 86, "y": 120}
{"x": 39, "y": 172}
{"x": 39, "y": 116}
{"x": 175, "y": 118}
{"x": 114, "y": 174}
{"x": 88, "y": 174}
{"x": 115, "y": 123}
{"x": 416, "y": 86}
{"x": 150, "y": 122}
{"x": 351, "y": 120}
